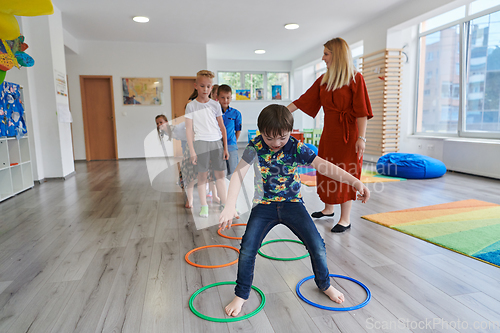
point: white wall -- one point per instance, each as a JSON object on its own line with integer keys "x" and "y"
{"x": 304, "y": 77}
{"x": 250, "y": 109}
{"x": 374, "y": 33}
{"x": 59, "y": 65}
{"x": 122, "y": 59}
{"x": 70, "y": 42}
{"x": 50, "y": 140}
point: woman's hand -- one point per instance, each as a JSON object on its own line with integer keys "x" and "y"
{"x": 360, "y": 148}
{"x": 364, "y": 192}
{"x": 226, "y": 217}
{"x": 226, "y": 154}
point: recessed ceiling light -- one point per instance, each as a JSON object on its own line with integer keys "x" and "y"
{"x": 141, "y": 19}
{"x": 260, "y": 51}
{"x": 291, "y": 26}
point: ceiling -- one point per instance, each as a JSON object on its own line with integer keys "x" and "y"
{"x": 230, "y": 29}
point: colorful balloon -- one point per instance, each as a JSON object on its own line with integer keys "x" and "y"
{"x": 9, "y": 28}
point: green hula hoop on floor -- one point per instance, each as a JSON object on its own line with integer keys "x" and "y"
{"x": 283, "y": 259}
{"x": 226, "y": 320}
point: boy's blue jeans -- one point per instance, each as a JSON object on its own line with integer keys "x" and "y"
{"x": 262, "y": 219}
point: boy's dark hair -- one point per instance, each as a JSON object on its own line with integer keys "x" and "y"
{"x": 224, "y": 88}
{"x": 274, "y": 120}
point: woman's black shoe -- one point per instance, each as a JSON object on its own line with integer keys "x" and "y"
{"x": 340, "y": 228}
{"x": 320, "y": 214}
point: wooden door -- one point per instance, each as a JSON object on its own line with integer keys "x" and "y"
{"x": 98, "y": 117}
{"x": 181, "y": 87}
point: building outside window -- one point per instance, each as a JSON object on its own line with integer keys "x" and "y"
{"x": 454, "y": 101}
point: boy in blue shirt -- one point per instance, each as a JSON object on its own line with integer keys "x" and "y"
{"x": 277, "y": 157}
{"x": 232, "y": 121}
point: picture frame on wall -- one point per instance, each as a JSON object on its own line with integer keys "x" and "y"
{"x": 142, "y": 91}
{"x": 242, "y": 94}
{"x": 276, "y": 92}
{"x": 259, "y": 93}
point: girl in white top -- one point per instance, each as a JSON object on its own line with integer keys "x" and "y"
{"x": 204, "y": 130}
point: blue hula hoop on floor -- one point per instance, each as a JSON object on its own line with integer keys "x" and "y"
{"x": 359, "y": 306}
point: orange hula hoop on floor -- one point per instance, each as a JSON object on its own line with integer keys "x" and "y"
{"x": 205, "y": 247}
{"x": 231, "y": 237}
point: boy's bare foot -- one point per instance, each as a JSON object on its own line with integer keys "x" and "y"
{"x": 334, "y": 295}
{"x": 234, "y": 308}
{"x": 188, "y": 205}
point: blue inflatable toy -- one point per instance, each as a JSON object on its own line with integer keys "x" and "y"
{"x": 410, "y": 166}
{"x": 312, "y": 147}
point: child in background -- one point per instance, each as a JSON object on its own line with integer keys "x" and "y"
{"x": 163, "y": 127}
{"x": 204, "y": 130}
{"x": 179, "y": 133}
{"x": 187, "y": 167}
{"x": 232, "y": 121}
{"x": 278, "y": 156}
{"x": 164, "y": 131}
{"x": 187, "y": 174}
{"x": 214, "y": 94}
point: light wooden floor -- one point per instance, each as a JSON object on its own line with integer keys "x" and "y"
{"x": 104, "y": 252}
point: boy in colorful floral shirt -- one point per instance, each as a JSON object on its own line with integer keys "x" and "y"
{"x": 278, "y": 199}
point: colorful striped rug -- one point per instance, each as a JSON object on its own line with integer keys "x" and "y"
{"x": 308, "y": 177}
{"x": 469, "y": 227}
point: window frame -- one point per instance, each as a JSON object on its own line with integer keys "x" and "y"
{"x": 464, "y": 29}
{"x": 264, "y": 73}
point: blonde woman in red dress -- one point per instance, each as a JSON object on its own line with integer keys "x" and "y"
{"x": 342, "y": 93}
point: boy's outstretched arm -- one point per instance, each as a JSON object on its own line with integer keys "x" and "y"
{"x": 332, "y": 171}
{"x": 229, "y": 212}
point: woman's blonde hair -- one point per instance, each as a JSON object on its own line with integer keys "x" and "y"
{"x": 341, "y": 70}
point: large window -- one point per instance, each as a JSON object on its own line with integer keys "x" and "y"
{"x": 438, "y": 93}
{"x": 483, "y": 75}
{"x": 261, "y": 85}
{"x": 459, "y": 72}
{"x": 277, "y": 80}
{"x": 232, "y": 79}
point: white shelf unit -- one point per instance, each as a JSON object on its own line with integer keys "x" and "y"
{"x": 4, "y": 154}
{"x": 16, "y": 174}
